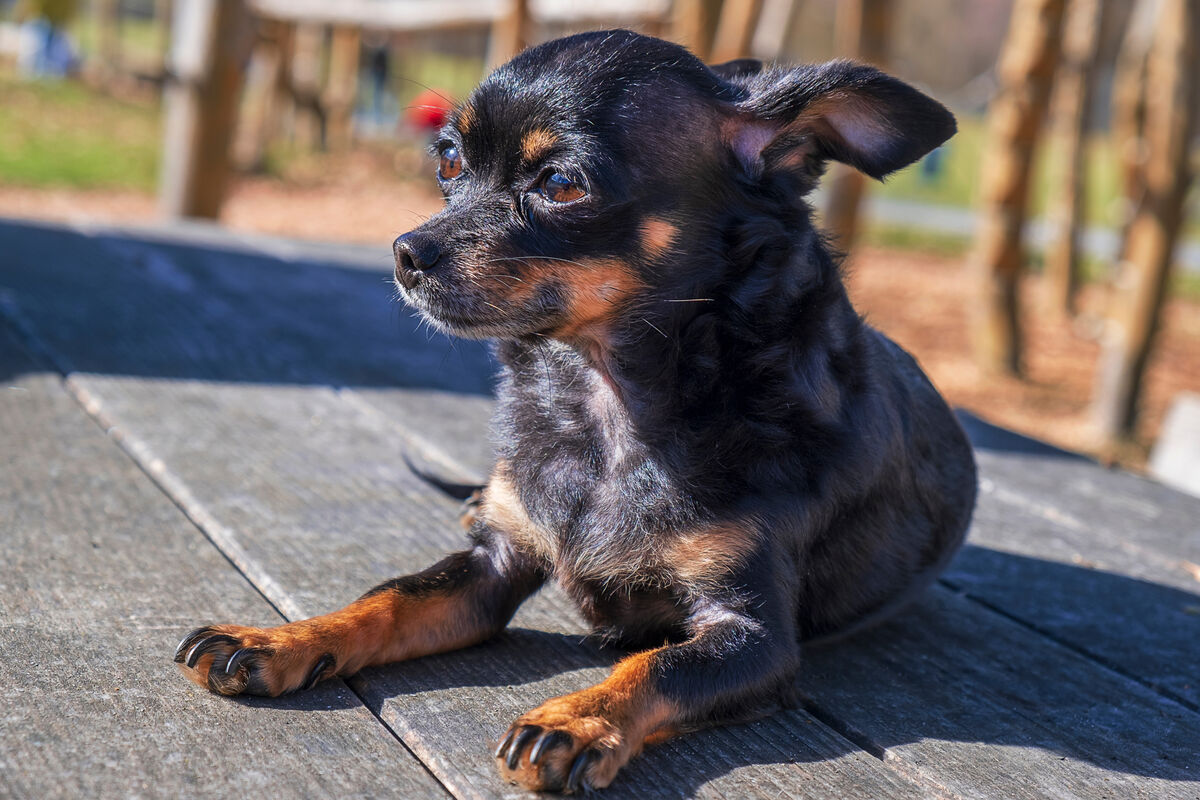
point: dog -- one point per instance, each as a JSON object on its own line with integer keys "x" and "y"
{"x": 699, "y": 438}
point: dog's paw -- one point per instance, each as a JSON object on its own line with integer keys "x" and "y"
{"x": 562, "y": 747}
{"x": 232, "y": 659}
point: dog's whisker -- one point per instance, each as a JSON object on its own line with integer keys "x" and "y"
{"x": 528, "y": 259}
{"x": 426, "y": 86}
{"x": 655, "y": 327}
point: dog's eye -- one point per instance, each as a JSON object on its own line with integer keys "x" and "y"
{"x": 558, "y": 188}
{"x": 450, "y": 166}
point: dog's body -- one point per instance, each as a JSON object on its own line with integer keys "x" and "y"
{"x": 699, "y": 438}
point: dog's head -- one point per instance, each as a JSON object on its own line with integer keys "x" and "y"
{"x": 593, "y": 172}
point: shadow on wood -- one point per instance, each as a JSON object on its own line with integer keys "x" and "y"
{"x": 280, "y": 321}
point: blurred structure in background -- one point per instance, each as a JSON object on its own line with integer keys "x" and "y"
{"x": 1026, "y": 72}
{"x": 1074, "y": 88}
{"x": 1076, "y": 146}
{"x": 1168, "y": 102}
{"x": 863, "y": 32}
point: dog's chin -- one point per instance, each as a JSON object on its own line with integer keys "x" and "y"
{"x": 452, "y": 319}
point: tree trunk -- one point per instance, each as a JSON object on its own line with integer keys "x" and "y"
{"x": 1026, "y": 69}
{"x": 1171, "y": 88}
{"x": 210, "y": 41}
{"x": 1073, "y": 89}
{"x": 862, "y": 29}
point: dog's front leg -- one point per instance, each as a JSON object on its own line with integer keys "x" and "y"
{"x": 465, "y": 598}
{"x": 733, "y": 660}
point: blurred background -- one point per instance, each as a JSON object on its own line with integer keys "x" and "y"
{"x": 1044, "y": 265}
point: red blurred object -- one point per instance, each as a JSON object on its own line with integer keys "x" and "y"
{"x": 428, "y": 110}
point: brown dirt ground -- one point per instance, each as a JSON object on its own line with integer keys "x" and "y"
{"x": 917, "y": 298}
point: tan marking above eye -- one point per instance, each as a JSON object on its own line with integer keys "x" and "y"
{"x": 466, "y": 118}
{"x": 536, "y": 144}
{"x": 657, "y": 236}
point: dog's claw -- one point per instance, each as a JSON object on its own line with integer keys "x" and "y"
{"x": 187, "y": 642}
{"x": 504, "y": 742}
{"x": 178, "y": 657}
{"x": 576, "y": 780}
{"x": 527, "y": 733}
{"x": 323, "y": 663}
{"x": 234, "y": 660}
{"x": 548, "y": 740}
{"x": 201, "y": 647}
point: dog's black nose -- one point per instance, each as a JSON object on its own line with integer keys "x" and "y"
{"x": 414, "y": 254}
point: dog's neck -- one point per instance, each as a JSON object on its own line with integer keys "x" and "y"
{"x": 698, "y": 345}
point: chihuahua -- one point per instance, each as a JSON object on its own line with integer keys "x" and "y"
{"x": 699, "y": 438}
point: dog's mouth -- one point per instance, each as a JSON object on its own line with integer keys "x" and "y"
{"x": 470, "y": 312}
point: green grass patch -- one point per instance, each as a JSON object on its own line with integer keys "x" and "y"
{"x": 60, "y": 133}
{"x": 454, "y": 76}
{"x": 139, "y": 40}
{"x": 897, "y": 237}
{"x": 1185, "y": 284}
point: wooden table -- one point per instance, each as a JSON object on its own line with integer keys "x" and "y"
{"x": 196, "y": 428}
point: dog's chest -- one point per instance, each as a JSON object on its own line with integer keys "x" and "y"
{"x": 599, "y": 497}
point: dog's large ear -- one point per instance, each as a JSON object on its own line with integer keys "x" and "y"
{"x": 844, "y": 111}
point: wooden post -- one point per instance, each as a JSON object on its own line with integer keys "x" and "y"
{"x": 265, "y": 92}
{"x": 1073, "y": 85}
{"x": 209, "y": 42}
{"x": 694, "y": 23}
{"x": 308, "y": 117}
{"x": 162, "y": 37}
{"x": 106, "y": 22}
{"x": 509, "y": 34}
{"x": 735, "y": 29}
{"x": 1026, "y": 68}
{"x": 774, "y": 27}
{"x": 341, "y": 89}
{"x": 1172, "y": 85}
{"x": 862, "y": 29}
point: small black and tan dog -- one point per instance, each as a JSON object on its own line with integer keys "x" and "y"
{"x": 700, "y": 440}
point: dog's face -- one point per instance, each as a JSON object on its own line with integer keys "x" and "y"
{"x": 578, "y": 177}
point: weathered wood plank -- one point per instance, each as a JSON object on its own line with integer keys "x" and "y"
{"x": 1103, "y": 561}
{"x": 101, "y": 572}
{"x": 304, "y": 490}
{"x": 986, "y": 708}
{"x": 952, "y": 695}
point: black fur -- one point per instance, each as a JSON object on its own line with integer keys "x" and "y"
{"x": 727, "y": 380}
